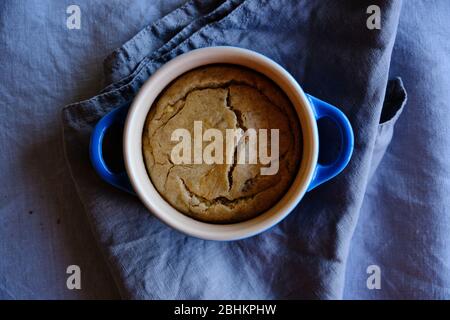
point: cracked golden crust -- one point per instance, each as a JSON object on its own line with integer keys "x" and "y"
{"x": 222, "y": 97}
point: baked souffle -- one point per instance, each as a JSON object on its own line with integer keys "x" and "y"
{"x": 221, "y": 97}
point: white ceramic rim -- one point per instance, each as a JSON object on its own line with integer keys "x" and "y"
{"x": 134, "y": 160}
